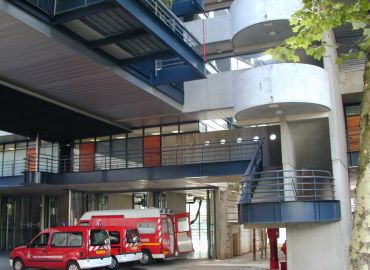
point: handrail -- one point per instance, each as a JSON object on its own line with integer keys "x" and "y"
{"x": 164, "y": 156}
{"x": 252, "y": 168}
{"x": 172, "y": 21}
{"x": 275, "y": 186}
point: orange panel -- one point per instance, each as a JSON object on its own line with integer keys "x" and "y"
{"x": 353, "y": 133}
{"x": 31, "y": 159}
{"x": 86, "y": 157}
{"x": 152, "y": 151}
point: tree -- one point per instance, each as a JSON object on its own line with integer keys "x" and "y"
{"x": 309, "y": 25}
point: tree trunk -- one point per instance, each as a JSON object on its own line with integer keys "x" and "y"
{"x": 360, "y": 242}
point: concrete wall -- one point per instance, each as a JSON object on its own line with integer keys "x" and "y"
{"x": 351, "y": 82}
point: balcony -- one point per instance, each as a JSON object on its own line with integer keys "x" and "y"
{"x": 288, "y": 196}
{"x": 280, "y": 90}
{"x": 175, "y": 162}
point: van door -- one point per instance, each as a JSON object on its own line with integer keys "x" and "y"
{"x": 183, "y": 233}
{"x": 99, "y": 244}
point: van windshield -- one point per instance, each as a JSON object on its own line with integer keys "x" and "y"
{"x": 98, "y": 237}
{"x": 132, "y": 236}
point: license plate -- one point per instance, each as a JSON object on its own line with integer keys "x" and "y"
{"x": 100, "y": 252}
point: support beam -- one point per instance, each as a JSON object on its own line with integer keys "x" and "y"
{"x": 117, "y": 38}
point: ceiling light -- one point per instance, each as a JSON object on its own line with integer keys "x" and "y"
{"x": 175, "y": 131}
{"x": 223, "y": 141}
{"x": 279, "y": 112}
{"x": 274, "y": 106}
{"x": 269, "y": 24}
{"x": 156, "y": 133}
{"x": 256, "y": 138}
{"x": 218, "y": 51}
{"x": 206, "y": 143}
{"x": 272, "y": 33}
{"x": 273, "y": 137}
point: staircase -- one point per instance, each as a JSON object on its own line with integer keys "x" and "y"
{"x": 266, "y": 187}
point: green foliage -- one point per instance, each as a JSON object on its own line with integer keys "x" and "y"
{"x": 168, "y": 3}
{"x": 318, "y": 16}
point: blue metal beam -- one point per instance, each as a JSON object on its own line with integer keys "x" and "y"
{"x": 157, "y": 28}
{"x": 187, "y": 7}
{"x": 146, "y": 57}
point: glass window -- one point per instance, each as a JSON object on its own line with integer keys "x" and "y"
{"x": 164, "y": 226}
{"x": 102, "y": 155}
{"x": 114, "y": 238}
{"x": 190, "y": 127}
{"x": 59, "y": 240}
{"x": 353, "y": 110}
{"x": 153, "y": 131}
{"x": 135, "y": 133}
{"x": 8, "y": 160}
{"x": 103, "y": 138}
{"x": 40, "y": 241}
{"x": 98, "y": 237}
{"x": 118, "y": 159}
{"x": 146, "y": 227}
{"x": 173, "y": 129}
{"x": 1, "y": 160}
{"x": 87, "y": 140}
{"x": 183, "y": 224}
{"x": 74, "y": 239}
{"x": 132, "y": 236}
{"x": 135, "y": 152}
{"x": 119, "y": 136}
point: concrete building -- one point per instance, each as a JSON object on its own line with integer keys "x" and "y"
{"x": 115, "y": 104}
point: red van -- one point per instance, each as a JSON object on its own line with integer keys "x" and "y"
{"x": 70, "y": 248}
{"x": 162, "y": 233}
{"x": 125, "y": 245}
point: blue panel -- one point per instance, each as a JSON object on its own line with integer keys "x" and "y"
{"x": 173, "y": 74}
{"x": 187, "y": 7}
{"x": 289, "y": 212}
{"x": 11, "y": 181}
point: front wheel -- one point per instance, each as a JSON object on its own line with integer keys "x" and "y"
{"x": 146, "y": 258}
{"x": 18, "y": 264}
{"x": 73, "y": 266}
{"x": 114, "y": 265}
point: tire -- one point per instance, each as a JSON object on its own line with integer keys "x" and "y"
{"x": 73, "y": 266}
{"x": 146, "y": 258}
{"x": 18, "y": 264}
{"x": 114, "y": 265}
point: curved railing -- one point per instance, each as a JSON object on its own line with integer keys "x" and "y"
{"x": 288, "y": 185}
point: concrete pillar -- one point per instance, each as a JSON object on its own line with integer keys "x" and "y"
{"x": 288, "y": 159}
{"x": 326, "y": 246}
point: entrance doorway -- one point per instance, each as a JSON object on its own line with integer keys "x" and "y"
{"x": 21, "y": 219}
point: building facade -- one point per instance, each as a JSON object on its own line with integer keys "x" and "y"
{"x": 129, "y": 104}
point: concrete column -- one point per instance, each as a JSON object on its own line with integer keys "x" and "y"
{"x": 326, "y": 246}
{"x": 288, "y": 159}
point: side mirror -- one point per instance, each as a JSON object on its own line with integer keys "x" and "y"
{"x": 27, "y": 244}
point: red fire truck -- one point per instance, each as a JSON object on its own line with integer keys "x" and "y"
{"x": 162, "y": 234}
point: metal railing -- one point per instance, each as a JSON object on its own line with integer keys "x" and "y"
{"x": 254, "y": 166}
{"x": 289, "y": 185}
{"x": 154, "y": 157}
{"x": 172, "y": 22}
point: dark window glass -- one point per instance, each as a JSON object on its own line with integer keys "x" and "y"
{"x": 73, "y": 239}
{"x": 98, "y": 237}
{"x": 114, "y": 238}
{"x": 40, "y": 241}
{"x": 132, "y": 236}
